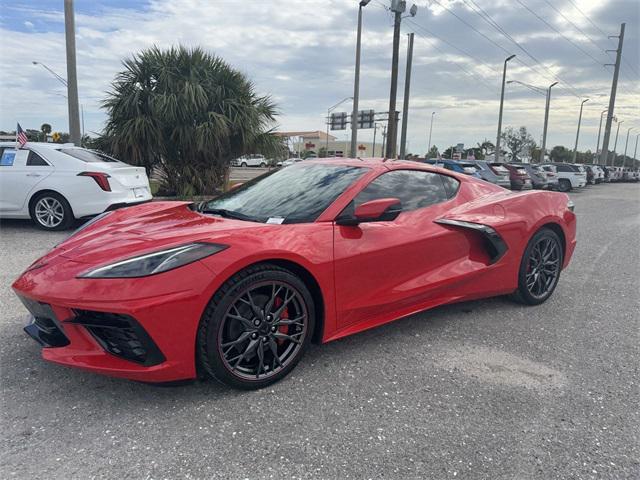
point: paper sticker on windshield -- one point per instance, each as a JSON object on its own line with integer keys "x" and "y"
{"x": 275, "y": 220}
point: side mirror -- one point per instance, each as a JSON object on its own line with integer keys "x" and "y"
{"x": 380, "y": 210}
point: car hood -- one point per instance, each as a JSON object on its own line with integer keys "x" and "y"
{"x": 147, "y": 228}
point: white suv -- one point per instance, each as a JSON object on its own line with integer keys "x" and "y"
{"x": 250, "y": 161}
{"x": 569, "y": 175}
{"x": 54, "y": 183}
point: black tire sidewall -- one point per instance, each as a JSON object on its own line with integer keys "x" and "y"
{"x": 564, "y": 185}
{"x": 523, "y": 293}
{"x": 208, "y": 352}
{"x": 67, "y": 220}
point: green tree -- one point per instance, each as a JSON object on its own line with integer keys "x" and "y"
{"x": 561, "y": 154}
{"x": 186, "y": 114}
{"x": 519, "y": 142}
{"x": 433, "y": 152}
{"x": 45, "y": 128}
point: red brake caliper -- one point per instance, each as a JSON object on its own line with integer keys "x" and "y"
{"x": 285, "y": 314}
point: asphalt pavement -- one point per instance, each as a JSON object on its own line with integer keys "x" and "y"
{"x": 481, "y": 390}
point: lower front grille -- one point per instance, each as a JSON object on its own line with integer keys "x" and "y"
{"x": 44, "y": 327}
{"x": 120, "y": 335}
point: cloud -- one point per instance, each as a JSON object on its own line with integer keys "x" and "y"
{"x": 301, "y": 52}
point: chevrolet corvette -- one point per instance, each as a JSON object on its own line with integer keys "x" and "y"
{"x": 237, "y": 287}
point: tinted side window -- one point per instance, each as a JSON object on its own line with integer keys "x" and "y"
{"x": 413, "y": 188}
{"x": 35, "y": 160}
{"x": 451, "y": 185}
{"x": 563, "y": 168}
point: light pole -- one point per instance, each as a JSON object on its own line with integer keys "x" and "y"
{"x": 624, "y": 157}
{"x": 504, "y": 77}
{"x": 635, "y": 152}
{"x": 356, "y": 84}
{"x": 600, "y": 130}
{"x": 615, "y": 144}
{"x": 430, "y": 130}
{"x": 329, "y": 110}
{"x": 546, "y": 123}
{"x": 575, "y": 149}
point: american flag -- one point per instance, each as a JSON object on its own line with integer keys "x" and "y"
{"x": 21, "y": 137}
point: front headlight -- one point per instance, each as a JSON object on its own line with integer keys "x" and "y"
{"x": 156, "y": 262}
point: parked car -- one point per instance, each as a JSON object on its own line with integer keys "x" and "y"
{"x": 297, "y": 255}
{"x": 54, "y": 184}
{"x": 520, "y": 179}
{"x": 606, "y": 173}
{"x": 538, "y": 177}
{"x": 250, "y": 161}
{"x": 493, "y": 172}
{"x": 289, "y": 161}
{"x": 591, "y": 175}
{"x": 569, "y": 176}
{"x": 599, "y": 173}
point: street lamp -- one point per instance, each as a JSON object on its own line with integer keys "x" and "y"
{"x": 600, "y": 130}
{"x": 575, "y": 149}
{"x": 430, "y": 130}
{"x": 546, "y": 123}
{"x": 504, "y": 77}
{"x": 615, "y": 144}
{"x": 624, "y": 157}
{"x": 356, "y": 84}
{"x": 329, "y": 110}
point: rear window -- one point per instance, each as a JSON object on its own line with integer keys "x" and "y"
{"x": 89, "y": 156}
{"x": 499, "y": 169}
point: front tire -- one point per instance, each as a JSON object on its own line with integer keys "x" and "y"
{"x": 243, "y": 165}
{"x": 256, "y": 327}
{"x": 51, "y": 211}
{"x": 539, "y": 268}
{"x": 564, "y": 185}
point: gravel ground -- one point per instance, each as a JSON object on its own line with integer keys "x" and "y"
{"x": 485, "y": 389}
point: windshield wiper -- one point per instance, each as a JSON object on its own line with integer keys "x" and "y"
{"x": 223, "y": 212}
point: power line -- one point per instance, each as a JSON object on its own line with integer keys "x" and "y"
{"x": 585, "y": 16}
{"x": 487, "y": 18}
{"x": 559, "y": 32}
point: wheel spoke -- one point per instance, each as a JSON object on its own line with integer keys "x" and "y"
{"x": 260, "y": 360}
{"x": 284, "y": 336}
{"x": 292, "y": 321}
{"x": 245, "y": 321}
{"x": 243, "y": 336}
{"x": 281, "y": 308}
{"x": 272, "y": 300}
{"x": 250, "y": 347}
{"x": 274, "y": 351}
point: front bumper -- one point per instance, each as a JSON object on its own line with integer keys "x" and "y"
{"x": 139, "y": 329}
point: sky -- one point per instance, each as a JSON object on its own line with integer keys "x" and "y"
{"x": 301, "y": 53}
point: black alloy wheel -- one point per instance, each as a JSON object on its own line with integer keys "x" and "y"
{"x": 256, "y": 327}
{"x": 540, "y": 268}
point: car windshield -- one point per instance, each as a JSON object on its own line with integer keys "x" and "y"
{"x": 296, "y": 194}
{"x": 499, "y": 168}
{"x": 89, "y": 156}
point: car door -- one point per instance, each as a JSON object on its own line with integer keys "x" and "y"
{"x": 385, "y": 267}
{"x": 19, "y": 176}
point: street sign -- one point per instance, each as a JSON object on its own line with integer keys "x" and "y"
{"x": 366, "y": 119}
{"x": 338, "y": 121}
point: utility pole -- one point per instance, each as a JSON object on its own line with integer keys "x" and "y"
{"x": 504, "y": 77}
{"x": 397, "y": 7}
{"x": 635, "y": 152}
{"x": 430, "y": 130}
{"x": 615, "y": 144}
{"x": 405, "y": 107}
{"x": 356, "y": 84}
{"x": 575, "y": 149}
{"x": 604, "y": 156}
{"x": 72, "y": 78}
{"x": 624, "y": 157}
{"x": 543, "y": 150}
{"x": 599, "y": 131}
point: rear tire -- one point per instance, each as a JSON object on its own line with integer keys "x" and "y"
{"x": 564, "y": 185}
{"x": 51, "y": 211}
{"x": 243, "y": 164}
{"x": 540, "y": 268}
{"x": 256, "y": 327}
{"x": 263, "y": 165}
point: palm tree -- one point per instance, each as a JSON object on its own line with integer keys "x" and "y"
{"x": 187, "y": 113}
{"x": 45, "y": 128}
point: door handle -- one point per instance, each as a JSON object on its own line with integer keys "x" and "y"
{"x": 33, "y": 175}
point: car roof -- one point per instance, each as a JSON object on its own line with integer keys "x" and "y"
{"x": 383, "y": 164}
{"x": 55, "y": 146}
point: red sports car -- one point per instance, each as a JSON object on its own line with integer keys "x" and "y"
{"x": 237, "y": 287}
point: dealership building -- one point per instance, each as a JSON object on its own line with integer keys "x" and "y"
{"x": 312, "y": 141}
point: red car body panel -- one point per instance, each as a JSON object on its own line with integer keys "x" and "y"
{"x": 366, "y": 275}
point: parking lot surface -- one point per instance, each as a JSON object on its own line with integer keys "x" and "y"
{"x": 487, "y": 389}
